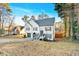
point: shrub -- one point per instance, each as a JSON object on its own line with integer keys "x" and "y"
{"x": 2, "y": 31}
{"x": 24, "y": 36}
{"x": 59, "y": 35}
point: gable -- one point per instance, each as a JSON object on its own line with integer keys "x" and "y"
{"x": 33, "y": 23}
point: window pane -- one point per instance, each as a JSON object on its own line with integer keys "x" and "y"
{"x": 48, "y": 28}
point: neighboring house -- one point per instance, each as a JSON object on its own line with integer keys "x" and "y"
{"x": 18, "y": 30}
{"x": 36, "y": 28}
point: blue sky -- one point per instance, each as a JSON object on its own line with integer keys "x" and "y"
{"x": 21, "y": 9}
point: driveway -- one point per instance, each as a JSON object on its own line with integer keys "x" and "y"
{"x": 12, "y": 40}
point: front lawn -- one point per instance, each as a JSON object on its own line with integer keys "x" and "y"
{"x": 38, "y": 48}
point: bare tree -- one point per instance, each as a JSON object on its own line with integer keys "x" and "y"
{"x": 43, "y": 16}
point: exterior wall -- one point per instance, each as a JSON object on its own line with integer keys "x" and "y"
{"x": 48, "y": 32}
{"x": 52, "y": 32}
{"x": 36, "y": 31}
{"x": 31, "y": 27}
{"x": 39, "y": 28}
{"x": 28, "y": 30}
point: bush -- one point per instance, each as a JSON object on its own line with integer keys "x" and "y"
{"x": 24, "y": 36}
{"x": 2, "y": 31}
{"x": 59, "y": 35}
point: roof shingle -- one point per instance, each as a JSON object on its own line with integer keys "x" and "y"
{"x": 46, "y": 22}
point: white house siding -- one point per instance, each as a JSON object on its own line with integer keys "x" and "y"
{"x": 33, "y": 28}
{"x": 34, "y": 25}
{"x": 36, "y": 32}
{"x": 53, "y": 32}
{"x": 30, "y": 28}
{"x": 50, "y": 33}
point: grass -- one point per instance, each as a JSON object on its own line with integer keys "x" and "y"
{"x": 40, "y": 48}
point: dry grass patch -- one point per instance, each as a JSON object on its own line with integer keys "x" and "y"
{"x": 35, "y": 48}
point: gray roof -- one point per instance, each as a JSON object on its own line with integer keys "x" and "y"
{"x": 46, "y": 22}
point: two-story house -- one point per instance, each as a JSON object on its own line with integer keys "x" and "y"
{"x": 36, "y": 28}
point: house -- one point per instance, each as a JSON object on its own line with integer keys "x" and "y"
{"x": 18, "y": 29}
{"x": 36, "y": 28}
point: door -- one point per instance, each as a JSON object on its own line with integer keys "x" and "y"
{"x": 41, "y": 32}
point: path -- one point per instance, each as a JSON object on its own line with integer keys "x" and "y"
{"x": 9, "y": 40}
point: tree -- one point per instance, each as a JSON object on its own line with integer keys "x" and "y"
{"x": 10, "y": 24}
{"x": 58, "y": 8}
{"x": 67, "y": 10}
{"x": 43, "y": 16}
{"x": 74, "y": 21}
{"x": 33, "y": 17}
{"x": 0, "y": 18}
{"x": 4, "y": 12}
{"x": 39, "y": 17}
{"x": 4, "y": 6}
{"x": 63, "y": 12}
{"x": 25, "y": 18}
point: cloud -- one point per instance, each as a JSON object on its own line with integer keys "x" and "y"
{"x": 21, "y": 11}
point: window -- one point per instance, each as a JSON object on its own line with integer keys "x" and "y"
{"x": 35, "y": 28}
{"x": 48, "y": 35}
{"x": 48, "y": 28}
{"x": 28, "y": 34}
{"x": 27, "y": 28}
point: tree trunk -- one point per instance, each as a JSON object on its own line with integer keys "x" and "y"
{"x": 65, "y": 26}
{"x": 0, "y": 21}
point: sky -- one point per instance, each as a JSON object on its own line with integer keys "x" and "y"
{"x": 21, "y": 9}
